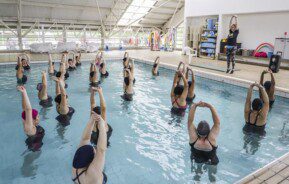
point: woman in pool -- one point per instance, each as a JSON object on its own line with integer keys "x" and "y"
{"x": 102, "y": 70}
{"x": 21, "y": 77}
{"x": 191, "y": 93}
{"x": 71, "y": 64}
{"x": 232, "y": 44}
{"x": 88, "y": 162}
{"x": 179, "y": 94}
{"x": 269, "y": 86}
{"x": 93, "y": 76}
{"x": 256, "y": 117}
{"x": 45, "y": 100}
{"x": 62, "y": 107}
{"x": 203, "y": 140}
{"x": 98, "y": 58}
{"x": 155, "y": 68}
{"x": 51, "y": 69}
{"x": 78, "y": 59}
{"x": 30, "y": 119}
{"x": 128, "y": 85}
{"x": 100, "y": 110}
{"x": 24, "y": 62}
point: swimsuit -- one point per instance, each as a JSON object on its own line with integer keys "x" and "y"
{"x": 201, "y": 156}
{"x": 47, "y": 102}
{"x": 34, "y": 142}
{"x": 253, "y": 127}
{"x": 190, "y": 100}
{"x": 180, "y": 110}
{"x": 104, "y": 75}
{"x": 78, "y": 175}
{"x": 64, "y": 119}
{"x": 128, "y": 97}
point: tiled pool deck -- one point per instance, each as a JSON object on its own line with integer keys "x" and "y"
{"x": 276, "y": 171}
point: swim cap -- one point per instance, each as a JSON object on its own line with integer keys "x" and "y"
{"x": 126, "y": 81}
{"x": 34, "y": 114}
{"x": 69, "y": 59}
{"x": 83, "y": 157}
{"x": 190, "y": 83}
{"x": 91, "y": 74}
{"x": 179, "y": 90}
{"x": 66, "y": 75}
{"x": 203, "y": 129}
{"x": 267, "y": 85}
{"x": 57, "y": 99}
{"x": 58, "y": 74}
{"x": 97, "y": 110}
{"x": 257, "y": 104}
{"x": 155, "y": 65}
{"x": 101, "y": 65}
{"x": 39, "y": 86}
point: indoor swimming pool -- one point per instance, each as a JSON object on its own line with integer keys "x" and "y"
{"x": 148, "y": 144}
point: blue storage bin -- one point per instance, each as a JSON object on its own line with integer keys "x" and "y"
{"x": 210, "y": 24}
{"x": 269, "y": 54}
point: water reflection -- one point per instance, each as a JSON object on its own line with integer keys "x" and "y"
{"x": 284, "y": 135}
{"x": 29, "y": 168}
{"x": 200, "y": 169}
{"x": 252, "y": 143}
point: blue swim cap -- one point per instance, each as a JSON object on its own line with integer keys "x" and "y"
{"x": 83, "y": 157}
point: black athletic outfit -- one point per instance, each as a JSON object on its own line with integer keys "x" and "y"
{"x": 231, "y": 48}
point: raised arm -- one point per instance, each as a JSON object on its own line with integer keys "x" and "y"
{"x": 132, "y": 67}
{"x": 85, "y": 139}
{"x": 28, "y": 123}
{"x": 102, "y": 103}
{"x": 63, "y": 93}
{"x": 186, "y": 87}
{"x": 125, "y": 55}
{"x": 265, "y": 100}
{"x": 174, "y": 84}
{"x": 248, "y": 100}
{"x": 92, "y": 99}
{"x": 262, "y": 77}
{"x": 96, "y": 167}
{"x": 191, "y": 127}
{"x": 216, "y": 127}
{"x": 44, "y": 82}
{"x": 273, "y": 82}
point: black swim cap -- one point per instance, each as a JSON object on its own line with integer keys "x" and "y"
{"x": 257, "y": 104}
{"x": 97, "y": 110}
{"x": 190, "y": 83}
{"x": 126, "y": 81}
{"x": 58, "y": 74}
{"x": 69, "y": 59}
{"x": 66, "y": 75}
{"x": 203, "y": 129}
{"x": 57, "y": 99}
{"x": 155, "y": 65}
{"x": 91, "y": 74}
{"x": 83, "y": 157}
{"x": 101, "y": 65}
{"x": 267, "y": 85}
{"x": 179, "y": 90}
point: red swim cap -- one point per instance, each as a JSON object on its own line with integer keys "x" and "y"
{"x": 34, "y": 114}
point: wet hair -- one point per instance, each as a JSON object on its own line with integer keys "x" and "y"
{"x": 101, "y": 65}
{"x": 83, "y": 157}
{"x": 267, "y": 85}
{"x": 76, "y": 57}
{"x": 97, "y": 110}
{"x": 155, "y": 65}
{"x": 66, "y": 75}
{"x": 126, "y": 80}
{"x": 23, "y": 59}
{"x": 257, "y": 104}
{"x": 124, "y": 59}
{"x": 179, "y": 90}
{"x": 203, "y": 129}
{"x": 53, "y": 63}
{"x": 57, "y": 99}
{"x": 190, "y": 83}
{"x": 58, "y": 74}
{"x": 69, "y": 59}
{"x": 91, "y": 74}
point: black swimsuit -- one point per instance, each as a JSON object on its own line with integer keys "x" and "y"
{"x": 190, "y": 100}
{"x": 94, "y": 136}
{"x": 34, "y": 142}
{"x": 78, "y": 175}
{"x": 47, "y": 102}
{"x": 253, "y": 127}
{"x": 104, "y": 75}
{"x": 207, "y": 157}
{"x": 64, "y": 119}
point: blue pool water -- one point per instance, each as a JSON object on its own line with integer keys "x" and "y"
{"x": 148, "y": 144}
